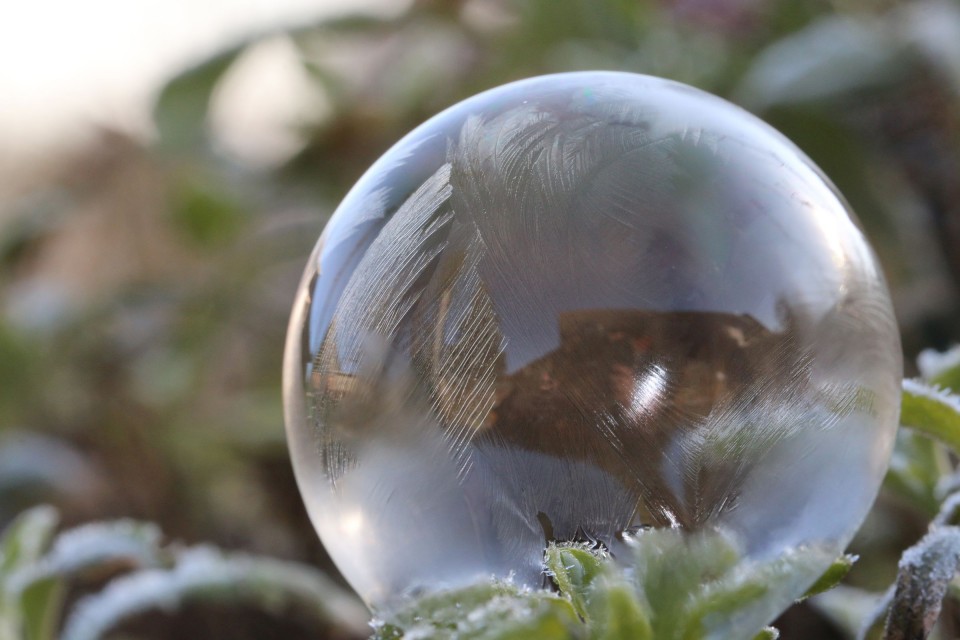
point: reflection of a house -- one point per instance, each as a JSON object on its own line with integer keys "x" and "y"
{"x": 632, "y": 392}
{"x": 620, "y": 385}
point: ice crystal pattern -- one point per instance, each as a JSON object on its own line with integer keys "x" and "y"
{"x": 578, "y": 307}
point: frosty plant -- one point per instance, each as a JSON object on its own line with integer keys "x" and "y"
{"x": 595, "y": 308}
{"x": 586, "y": 356}
{"x": 38, "y": 566}
{"x": 676, "y": 587}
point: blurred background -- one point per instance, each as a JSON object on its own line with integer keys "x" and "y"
{"x": 166, "y": 167}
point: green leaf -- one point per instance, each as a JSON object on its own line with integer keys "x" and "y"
{"x": 41, "y": 604}
{"x": 18, "y": 369}
{"x": 22, "y": 544}
{"x": 615, "y": 613}
{"x": 541, "y": 616}
{"x": 719, "y": 602}
{"x": 26, "y": 538}
{"x": 446, "y": 608}
{"x": 671, "y": 565}
{"x": 599, "y": 592}
{"x": 931, "y": 411}
{"x": 181, "y": 110}
{"x": 700, "y": 586}
{"x": 917, "y": 467}
{"x": 574, "y": 567}
{"x": 768, "y": 633}
{"x": 206, "y": 213}
{"x": 681, "y": 586}
{"x": 385, "y": 631}
{"x": 832, "y": 576}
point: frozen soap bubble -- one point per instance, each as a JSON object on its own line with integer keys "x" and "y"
{"x": 579, "y": 306}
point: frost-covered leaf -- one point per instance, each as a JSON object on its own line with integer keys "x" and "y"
{"x": 599, "y": 591}
{"x": 672, "y": 573}
{"x": 700, "y": 586}
{"x": 574, "y": 567}
{"x": 27, "y": 616}
{"x": 26, "y": 538}
{"x": 129, "y": 542}
{"x": 447, "y": 607}
{"x": 931, "y": 411}
{"x": 668, "y": 566}
{"x": 39, "y": 462}
{"x": 941, "y": 368}
{"x": 678, "y": 587}
{"x": 206, "y": 574}
{"x": 723, "y": 600}
{"x": 949, "y": 511}
{"x": 696, "y": 586}
{"x": 487, "y": 611}
{"x": 615, "y": 612}
{"x": 540, "y": 615}
{"x": 831, "y": 57}
{"x": 933, "y": 29}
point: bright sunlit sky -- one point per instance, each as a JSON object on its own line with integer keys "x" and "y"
{"x": 67, "y": 63}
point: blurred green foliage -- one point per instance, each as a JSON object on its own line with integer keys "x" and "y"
{"x": 146, "y": 286}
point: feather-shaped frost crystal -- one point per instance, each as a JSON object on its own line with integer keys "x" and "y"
{"x": 577, "y": 307}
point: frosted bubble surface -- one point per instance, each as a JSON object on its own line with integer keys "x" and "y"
{"x": 582, "y": 305}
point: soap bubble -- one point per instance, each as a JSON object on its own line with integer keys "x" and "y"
{"x": 578, "y": 307}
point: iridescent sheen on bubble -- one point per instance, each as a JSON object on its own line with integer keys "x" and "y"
{"x": 580, "y": 306}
